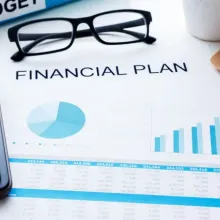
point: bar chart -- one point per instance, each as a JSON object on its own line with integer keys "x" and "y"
{"x": 197, "y": 133}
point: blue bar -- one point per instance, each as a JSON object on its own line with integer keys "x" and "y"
{"x": 217, "y": 133}
{"x": 195, "y": 148}
{"x": 162, "y": 143}
{"x": 213, "y": 140}
{"x": 181, "y": 141}
{"x": 176, "y": 141}
{"x": 116, "y": 197}
{"x": 157, "y": 144}
{"x": 200, "y": 140}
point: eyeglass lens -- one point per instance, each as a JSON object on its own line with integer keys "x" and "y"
{"x": 45, "y": 36}
{"x": 118, "y": 31}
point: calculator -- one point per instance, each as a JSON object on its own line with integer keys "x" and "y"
{"x": 5, "y": 173}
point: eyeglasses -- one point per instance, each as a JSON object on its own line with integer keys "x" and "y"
{"x": 46, "y": 36}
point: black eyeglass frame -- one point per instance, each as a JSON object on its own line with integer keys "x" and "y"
{"x": 13, "y": 32}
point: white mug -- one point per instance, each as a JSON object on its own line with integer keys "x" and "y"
{"x": 203, "y": 18}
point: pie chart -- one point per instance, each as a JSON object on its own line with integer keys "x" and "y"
{"x": 56, "y": 120}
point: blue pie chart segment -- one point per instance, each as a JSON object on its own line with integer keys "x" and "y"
{"x": 56, "y": 120}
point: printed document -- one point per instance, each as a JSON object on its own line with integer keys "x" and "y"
{"x": 113, "y": 132}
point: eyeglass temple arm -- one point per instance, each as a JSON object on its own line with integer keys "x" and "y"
{"x": 120, "y": 28}
{"x": 18, "y": 56}
{"x": 85, "y": 33}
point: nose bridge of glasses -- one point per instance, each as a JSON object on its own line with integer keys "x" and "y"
{"x": 77, "y": 22}
{"x": 82, "y": 26}
{"x": 83, "y": 29}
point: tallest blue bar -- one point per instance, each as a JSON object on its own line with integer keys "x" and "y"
{"x": 217, "y": 133}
